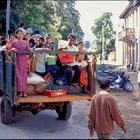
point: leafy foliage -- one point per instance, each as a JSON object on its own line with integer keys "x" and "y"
{"x": 87, "y": 44}
{"x": 103, "y": 30}
{"x": 52, "y": 16}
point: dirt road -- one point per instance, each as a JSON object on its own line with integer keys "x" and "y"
{"x": 129, "y": 105}
{"x": 46, "y": 126}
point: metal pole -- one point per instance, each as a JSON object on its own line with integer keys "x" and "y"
{"x": 101, "y": 49}
{"x": 102, "y": 46}
{"x": 8, "y": 16}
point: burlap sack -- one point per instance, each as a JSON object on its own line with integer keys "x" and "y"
{"x": 31, "y": 90}
{"x": 40, "y": 88}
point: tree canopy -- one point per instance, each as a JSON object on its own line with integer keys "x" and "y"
{"x": 52, "y": 16}
{"x": 103, "y": 31}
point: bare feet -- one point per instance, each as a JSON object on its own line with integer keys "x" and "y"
{"x": 70, "y": 87}
{"x": 75, "y": 85}
{"x": 22, "y": 94}
{"x": 19, "y": 94}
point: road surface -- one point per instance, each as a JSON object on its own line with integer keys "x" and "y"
{"x": 45, "y": 125}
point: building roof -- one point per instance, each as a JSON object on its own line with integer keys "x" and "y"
{"x": 131, "y": 5}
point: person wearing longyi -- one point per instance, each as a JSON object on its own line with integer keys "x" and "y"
{"x": 21, "y": 65}
{"x": 69, "y": 68}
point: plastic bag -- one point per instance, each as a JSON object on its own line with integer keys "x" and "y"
{"x": 34, "y": 79}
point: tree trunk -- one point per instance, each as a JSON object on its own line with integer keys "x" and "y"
{"x": 8, "y": 16}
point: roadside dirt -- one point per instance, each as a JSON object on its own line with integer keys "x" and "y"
{"x": 129, "y": 104}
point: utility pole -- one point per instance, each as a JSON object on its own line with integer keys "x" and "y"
{"x": 103, "y": 54}
{"x": 101, "y": 49}
{"x": 8, "y": 16}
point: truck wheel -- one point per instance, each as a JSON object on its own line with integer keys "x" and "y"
{"x": 13, "y": 111}
{"x": 6, "y": 111}
{"x": 1, "y": 93}
{"x": 64, "y": 112}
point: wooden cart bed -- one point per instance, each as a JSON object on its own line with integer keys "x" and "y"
{"x": 46, "y": 99}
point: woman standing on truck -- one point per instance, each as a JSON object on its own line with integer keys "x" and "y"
{"x": 21, "y": 65}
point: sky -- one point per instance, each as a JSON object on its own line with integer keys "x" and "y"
{"x": 91, "y": 10}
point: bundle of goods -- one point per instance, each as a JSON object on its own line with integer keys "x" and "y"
{"x": 31, "y": 90}
{"x": 40, "y": 88}
{"x": 34, "y": 79}
{"x": 36, "y": 84}
{"x": 55, "y": 90}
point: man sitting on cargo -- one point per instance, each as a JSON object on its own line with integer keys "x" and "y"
{"x": 69, "y": 68}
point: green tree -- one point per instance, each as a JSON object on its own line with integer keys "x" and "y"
{"x": 70, "y": 18}
{"x": 52, "y": 16}
{"x": 103, "y": 31}
{"x": 3, "y": 5}
{"x": 87, "y": 44}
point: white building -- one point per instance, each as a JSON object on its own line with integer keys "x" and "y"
{"x": 119, "y": 47}
{"x": 130, "y": 34}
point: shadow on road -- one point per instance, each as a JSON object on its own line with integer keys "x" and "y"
{"x": 40, "y": 126}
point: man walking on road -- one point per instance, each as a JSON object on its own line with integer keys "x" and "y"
{"x": 103, "y": 112}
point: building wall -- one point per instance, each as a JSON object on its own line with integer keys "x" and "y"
{"x": 119, "y": 48}
{"x": 132, "y": 51}
{"x": 138, "y": 35}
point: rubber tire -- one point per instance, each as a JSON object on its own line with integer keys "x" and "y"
{"x": 6, "y": 111}
{"x": 64, "y": 112}
{"x": 129, "y": 89}
{"x": 1, "y": 93}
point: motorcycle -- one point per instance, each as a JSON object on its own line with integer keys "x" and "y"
{"x": 123, "y": 81}
{"x": 130, "y": 67}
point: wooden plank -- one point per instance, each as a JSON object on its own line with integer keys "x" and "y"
{"x": 91, "y": 77}
{"x": 1, "y": 77}
{"x": 56, "y": 52}
{"x": 9, "y": 87}
{"x": 46, "y": 99}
